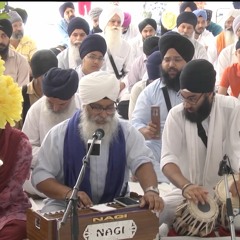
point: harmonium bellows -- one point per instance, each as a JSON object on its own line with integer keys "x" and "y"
{"x": 122, "y": 223}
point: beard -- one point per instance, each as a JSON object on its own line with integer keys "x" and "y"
{"x": 74, "y": 56}
{"x": 4, "y": 51}
{"x": 113, "y": 37}
{"x": 18, "y": 35}
{"x": 97, "y": 29}
{"x": 187, "y": 36}
{"x": 88, "y": 126}
{"x": 69, "y": 18}
{"x": 172, "y": 83}
{"x": 201, "y": 113}
{"x": 230, "y": 37}
{"x": 56, "y": 117}
{"x": 199, "y": 31}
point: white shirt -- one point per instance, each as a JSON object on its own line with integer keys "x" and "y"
{"x": 50, "y": 161}
{"x": 39, "y": 121}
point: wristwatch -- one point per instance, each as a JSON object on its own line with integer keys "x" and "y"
{"x": 153, "y": 189}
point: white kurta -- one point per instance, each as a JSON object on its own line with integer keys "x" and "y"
{"x": 182, "y": 146}
{"x": 38, "y": 122}
{"x": 50, "y": 164}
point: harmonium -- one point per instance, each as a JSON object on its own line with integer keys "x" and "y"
{"x": 120, "y": 223}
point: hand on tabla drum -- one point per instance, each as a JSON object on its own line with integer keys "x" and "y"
{"x": 196, "y": 219}
{"x": 195, "y": 193}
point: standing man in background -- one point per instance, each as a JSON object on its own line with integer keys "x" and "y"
{"x": 67, "y": 12}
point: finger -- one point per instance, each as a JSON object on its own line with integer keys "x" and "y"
{"x": 85, "y": 200}
{"x": 142, "y": 202}
{"x": 159, "y": 205}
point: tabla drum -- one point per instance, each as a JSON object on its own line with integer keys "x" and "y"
{"x": 196, "y": 219}
{"x": 220, "y": 196}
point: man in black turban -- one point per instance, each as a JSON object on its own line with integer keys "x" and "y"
{"x": 92, "y": 52}
{"x": 60, "y": 102}
{"x": 186, "y": 23}
{"x": 188, "y": 7}
{"x": 147, "y": 28}
{"x": 175, "y": 51}
{"x": 40, "y": 63}
{"x": 6, "y": 27}
{"x": 78, "y": 29}
{"x": 67, "y": 12}
{"x": 197, "y": 133}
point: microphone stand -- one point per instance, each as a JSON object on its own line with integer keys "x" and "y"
{"x": 73, "y": 201}
{"x": 224, "y": 169}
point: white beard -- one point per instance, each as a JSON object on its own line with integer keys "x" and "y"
{"x": 88, "y": 126}
{"x": 230, "y": 37}
{"x": 186, "y": 36}
{"x": 113, "y": 37}
{"x": 74, "y": 59}
{"x": 56, "y": 117}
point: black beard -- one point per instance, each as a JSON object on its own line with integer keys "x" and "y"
{"x": 4, "y": 51}
{"x": 171, "y": 83}
{"x": 202, "y": 112}
{"x": 96, "y": 29}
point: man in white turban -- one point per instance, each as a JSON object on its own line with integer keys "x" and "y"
{"x": 110, "y": 21}
{"x": 122, "y": 149}
{"x": 227, "y": 36}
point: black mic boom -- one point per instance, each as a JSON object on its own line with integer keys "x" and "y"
{"x": 98, "y": 134}
{"x": 223, "y": 167}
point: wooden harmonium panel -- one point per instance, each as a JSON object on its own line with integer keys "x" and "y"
{"x": 121, "y": 223}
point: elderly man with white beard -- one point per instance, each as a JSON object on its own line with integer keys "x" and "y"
{"x": 78, "y": 29}
{"x": 122, "y": 149}
{"x": 110, "y": 21}
{"x": 60, "y": 102}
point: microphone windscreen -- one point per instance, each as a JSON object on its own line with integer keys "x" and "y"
{"x": 100, "y": 132}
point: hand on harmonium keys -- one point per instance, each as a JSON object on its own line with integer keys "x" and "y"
{"x": 153, "y": 201}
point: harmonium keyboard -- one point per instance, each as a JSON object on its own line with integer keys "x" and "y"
{"x": 120, "y": 223}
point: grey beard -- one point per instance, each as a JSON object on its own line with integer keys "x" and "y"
{"x": 17, "y": 36}
{"x": 87, "y": 127}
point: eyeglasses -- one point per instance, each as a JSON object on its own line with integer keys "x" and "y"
{"x": 97, "y": 109}
{"x": 193, "y": 100}
{"x": 94, "y": 58}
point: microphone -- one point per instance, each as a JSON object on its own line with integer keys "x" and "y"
{"x": 223, "y": 167}
{"x": 98, "y": 134}
{"x": 96, "y": 142}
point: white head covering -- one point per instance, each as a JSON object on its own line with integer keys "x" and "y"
{"x": 108, "y": 13}
{"x": 232, "y": 13}
{"x": 98, "y": 85}
{"x": 236, "y": 24}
